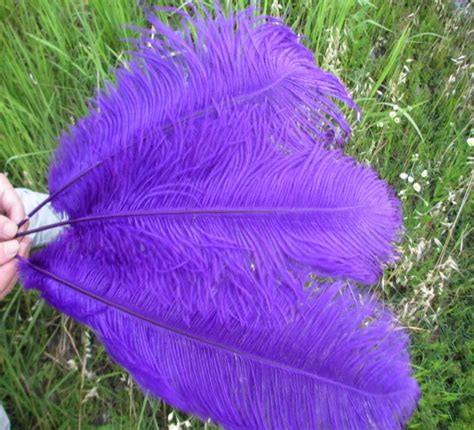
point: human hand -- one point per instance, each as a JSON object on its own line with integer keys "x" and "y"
{"x": 11, "y": 213}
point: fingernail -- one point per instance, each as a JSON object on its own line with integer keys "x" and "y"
{"x": 11, "y": 247}
{"x": 10, "y": 229}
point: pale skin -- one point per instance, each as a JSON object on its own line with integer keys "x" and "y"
{"x": 11, "y": 213}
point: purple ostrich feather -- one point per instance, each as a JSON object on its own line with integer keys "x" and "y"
{"x": 204, "y": 190}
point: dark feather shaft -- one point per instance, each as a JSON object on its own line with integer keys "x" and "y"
{"x": 187, "y": 212}
{"x": 59, "y": 191}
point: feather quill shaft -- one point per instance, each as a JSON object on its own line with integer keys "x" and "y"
{"x": 189, "y": 212}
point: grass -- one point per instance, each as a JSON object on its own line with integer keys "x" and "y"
{"x": 406, "y": 63}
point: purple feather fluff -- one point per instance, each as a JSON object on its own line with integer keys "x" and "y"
{"x": 260, "y": 72}
{"x": 339, "y": 363}
{"x": 211, "y": 196}
{"x": 239, "y": 222}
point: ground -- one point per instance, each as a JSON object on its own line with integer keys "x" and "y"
{"x": 408, "y": 66}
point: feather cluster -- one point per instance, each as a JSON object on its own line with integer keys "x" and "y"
{"x": 215, "y": 189}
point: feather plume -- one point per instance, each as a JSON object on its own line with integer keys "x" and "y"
{"x": 202, "y": 192}
{"x": 338, "y": 363}
{"x": 178, "y": 76}
{"x": 238, "y": 222}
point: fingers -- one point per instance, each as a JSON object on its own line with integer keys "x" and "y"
{"x": 11, "y": 213}
{"x": 8, "y": 250}
{"x": 8, "y": 228}
{"x": 9, "y": 246}
{"x": 8, "y": 277}
{"x": 8, "y": 271}
{"x": 10, "y": 203}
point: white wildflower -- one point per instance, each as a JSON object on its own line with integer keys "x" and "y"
{"x": 72, "y": 364}
{"x": 410, "y": 179}
{"x": 397, "y": 120}
{"x": 470, "y": 141}
{"x": 451, "y": 196}
{"x": 417, "y": 187}
{"x": 276, "y": 6}
{"x": 92, "y": 393}
{"x": 393, "y": 114}
{"x": 89, "y": 375}
{"x": 403, "y": 176}
{"x": 424, "y": 174}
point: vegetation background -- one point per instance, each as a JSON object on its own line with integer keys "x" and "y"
{"x": 407, "y": 64}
